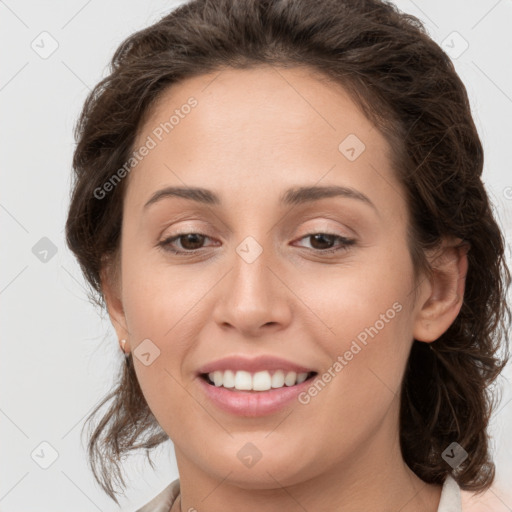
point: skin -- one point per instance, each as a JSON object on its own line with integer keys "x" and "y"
{"x": 254, "y": 134}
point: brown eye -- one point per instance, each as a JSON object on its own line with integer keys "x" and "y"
{"x": 322, "y": 242}
{"x": 189, "y": 242}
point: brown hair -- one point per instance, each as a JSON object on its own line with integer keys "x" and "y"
{"x": 408, "y": 87}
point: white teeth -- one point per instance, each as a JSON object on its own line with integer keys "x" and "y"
{"x": 227, "y": 379}
{"x": 243, "y": 381}
{"x": 278, "y": 379}
{"x": 290, "y": 378}
{"x": 259, "y": 381}
{"x": 218, "y": 378}
{"x": 301, "y": 377}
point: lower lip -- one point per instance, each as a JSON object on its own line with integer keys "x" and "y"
{"x": 253, "y": 403}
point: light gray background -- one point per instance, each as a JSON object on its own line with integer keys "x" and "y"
{"x": 57, "y": 353}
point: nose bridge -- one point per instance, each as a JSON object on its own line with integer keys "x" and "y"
{"x": 252, "y": 296}
{"x": 251, "y": 279}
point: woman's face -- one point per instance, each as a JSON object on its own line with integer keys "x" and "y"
{"x": 255, "y": 280}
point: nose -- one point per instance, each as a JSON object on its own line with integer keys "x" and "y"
{"x": 253, "y": 297}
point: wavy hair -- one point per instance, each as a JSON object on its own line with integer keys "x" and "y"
{"x": 407, "y": 86}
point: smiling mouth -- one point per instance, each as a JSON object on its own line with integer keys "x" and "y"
{"x": 275, "y": 387}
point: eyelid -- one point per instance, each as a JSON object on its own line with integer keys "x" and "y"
{"x": 313, "y": 223}
{"x": 343, "y": 244}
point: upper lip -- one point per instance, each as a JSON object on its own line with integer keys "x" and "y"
{"x": 253, "y": 364}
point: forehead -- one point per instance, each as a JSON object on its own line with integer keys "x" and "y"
{"x": 257, "y": 129}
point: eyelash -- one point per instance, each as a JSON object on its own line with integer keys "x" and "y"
{"x": 346, "y": 242}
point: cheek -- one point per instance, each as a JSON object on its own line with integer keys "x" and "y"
{"x": 360, "y": 300}
{"x": 368, "y": 354}
{"x": 365, "y": 324}
{"x": 151, "y": 310}
{"x": 156, "y": 297}
{"x": 361, "y": 387}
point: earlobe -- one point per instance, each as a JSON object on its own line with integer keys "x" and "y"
{"x": 447, "y": 284}
{"x": 110, "y": 285}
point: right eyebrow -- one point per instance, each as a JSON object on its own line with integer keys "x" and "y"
{"x": 200, "y": 195}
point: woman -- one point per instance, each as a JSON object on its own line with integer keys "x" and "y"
{"x": 280, "y": 204}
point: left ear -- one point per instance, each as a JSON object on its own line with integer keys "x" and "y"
{"x": 446, "y": 295}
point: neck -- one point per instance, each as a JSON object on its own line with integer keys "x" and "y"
{"x": 372, "y": 477}
{"x": 393, "y": 487}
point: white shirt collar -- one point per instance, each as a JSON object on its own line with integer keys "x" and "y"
{"x": 450, "y": 496}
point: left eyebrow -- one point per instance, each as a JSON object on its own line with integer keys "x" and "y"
{"x": 293, "y": 196}
{"x": 301, "y": 195}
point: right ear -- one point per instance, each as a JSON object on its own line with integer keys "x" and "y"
{"x": 110, "y": 275}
